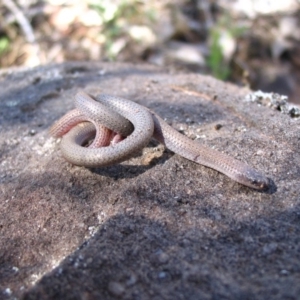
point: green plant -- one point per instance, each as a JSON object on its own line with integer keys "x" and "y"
{"x": 216, "y": 61}
{"x": 4, "y": 45}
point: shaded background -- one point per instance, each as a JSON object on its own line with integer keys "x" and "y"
{"x": 249, "y": 42}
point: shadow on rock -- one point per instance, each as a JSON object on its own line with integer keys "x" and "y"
{"x": 136, "y": 258}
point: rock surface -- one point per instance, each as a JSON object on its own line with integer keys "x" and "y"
{"x": 156, "y": 226}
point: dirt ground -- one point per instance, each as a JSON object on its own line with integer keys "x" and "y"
{"x": 156, "y": 226}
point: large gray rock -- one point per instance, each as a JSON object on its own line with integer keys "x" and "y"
{"x": 157, "y": 226}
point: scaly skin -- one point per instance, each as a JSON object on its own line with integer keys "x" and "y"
{"x": 145, "y": 124}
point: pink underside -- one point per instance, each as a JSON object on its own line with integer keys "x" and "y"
{"x": 104, "y": 136}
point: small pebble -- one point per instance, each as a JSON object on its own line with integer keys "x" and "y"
{"x": 8, "y": 291}
{"x": 162, "y": 275}
{"x": 284, "y": 272}
{"x": 218, "y": 126}
{"x": 270, "y": 248}
{"x": 32, "y": 132}
{"x": 259, "y": 152}
{"x": 132, "y": 280}
{"x": 116, "y": 288}
{"x": 162, "y": 257}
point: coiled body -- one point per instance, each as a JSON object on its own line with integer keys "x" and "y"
{"x": 137, "y": 125}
